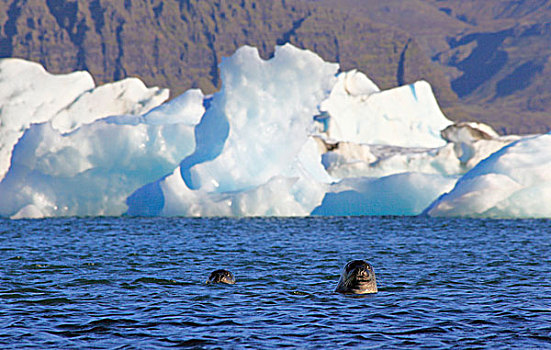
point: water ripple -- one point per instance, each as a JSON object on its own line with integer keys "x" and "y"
{"x": 140, "y": 283}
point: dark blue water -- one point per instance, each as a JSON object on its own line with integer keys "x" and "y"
{"x": 139, "y": 283}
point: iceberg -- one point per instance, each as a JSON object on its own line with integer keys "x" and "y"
{"x": 254, "y": 153}
{"x": 359, "y": 112}
{"x": 30, "y": 95}
{"x": 288, "y": 136}
{"x": 514, "y": 182}
{"x": 257, "y": 156}
{"x": 91, "y": 170}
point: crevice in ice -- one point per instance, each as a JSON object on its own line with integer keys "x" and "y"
{"x": 413, "y": 91}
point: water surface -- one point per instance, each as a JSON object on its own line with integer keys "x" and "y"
{"x": 139, "y": 283}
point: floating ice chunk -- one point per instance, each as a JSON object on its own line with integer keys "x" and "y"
{"x": 30, "y": 95}
{"x": 187, "y": 109}
{"x": 90, "y": 171}
{"x": 253, "y": 141}
{"x": 468, "y": 132}
{"x": 514, "y": 182}
{"x": 473, "y": 142}
{"x": 400, "y": 194}
{"x": 407, "y": 116}
{"x": 347, "y": 159}
{"x": 260, "y": 119}
{"x": 128, "y": 96}
{"x": 357, "y": 84}
{"x": 466, "y": 147}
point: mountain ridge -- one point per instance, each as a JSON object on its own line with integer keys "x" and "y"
{"x": 179, "y": 44}
{"x": 486, "y": 61}
{"x": 495, "y": 53}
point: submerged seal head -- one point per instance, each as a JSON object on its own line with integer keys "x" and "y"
{"x": 221, "y": 276}
{"x": 357, "y": 277}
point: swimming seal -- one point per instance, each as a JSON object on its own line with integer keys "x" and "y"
{"x": 221, "y": 276}
{"x": 357, "y": 277}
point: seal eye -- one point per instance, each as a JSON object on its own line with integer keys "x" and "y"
{"x": 356, "y": 264}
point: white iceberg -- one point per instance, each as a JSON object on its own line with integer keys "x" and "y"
{"x": 514, "y": 182}
{"x": 288, "y": 136}
{"x": 407, "y": 116}
{"x": 30, "y": 95}
{"x": 253, "y": 140}
{"x": 259, "y": 144}
{"x": 91, "y": 171}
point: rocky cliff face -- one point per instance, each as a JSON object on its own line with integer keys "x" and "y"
{"x": 495, "y": 53}
{"x": 179, "y": 43}
{"x": 502, "y": 61}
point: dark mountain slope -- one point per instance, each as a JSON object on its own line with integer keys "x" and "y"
{"x": 179, "y": 43}
{"x": 495, "y": 53}
{"x": 505, "y": 62}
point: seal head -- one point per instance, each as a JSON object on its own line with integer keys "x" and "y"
{"x": 357, "y": 277}
{"x": 221, "y": 276}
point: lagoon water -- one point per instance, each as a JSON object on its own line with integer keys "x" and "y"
{"x": 139, "y": 283}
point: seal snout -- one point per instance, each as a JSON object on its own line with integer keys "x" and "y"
{"x": 362, "y": 273}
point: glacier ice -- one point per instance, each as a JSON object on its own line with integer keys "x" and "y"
{"x": 287, "y": 136}
{"x": 514, "y": 182}
{"x": 256, "y": 156}
{"x": 377, "y": 117}
{"x": 92, "y": 169}
{"x": 254, "y": 138}
{"x": 30, "y": 95}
